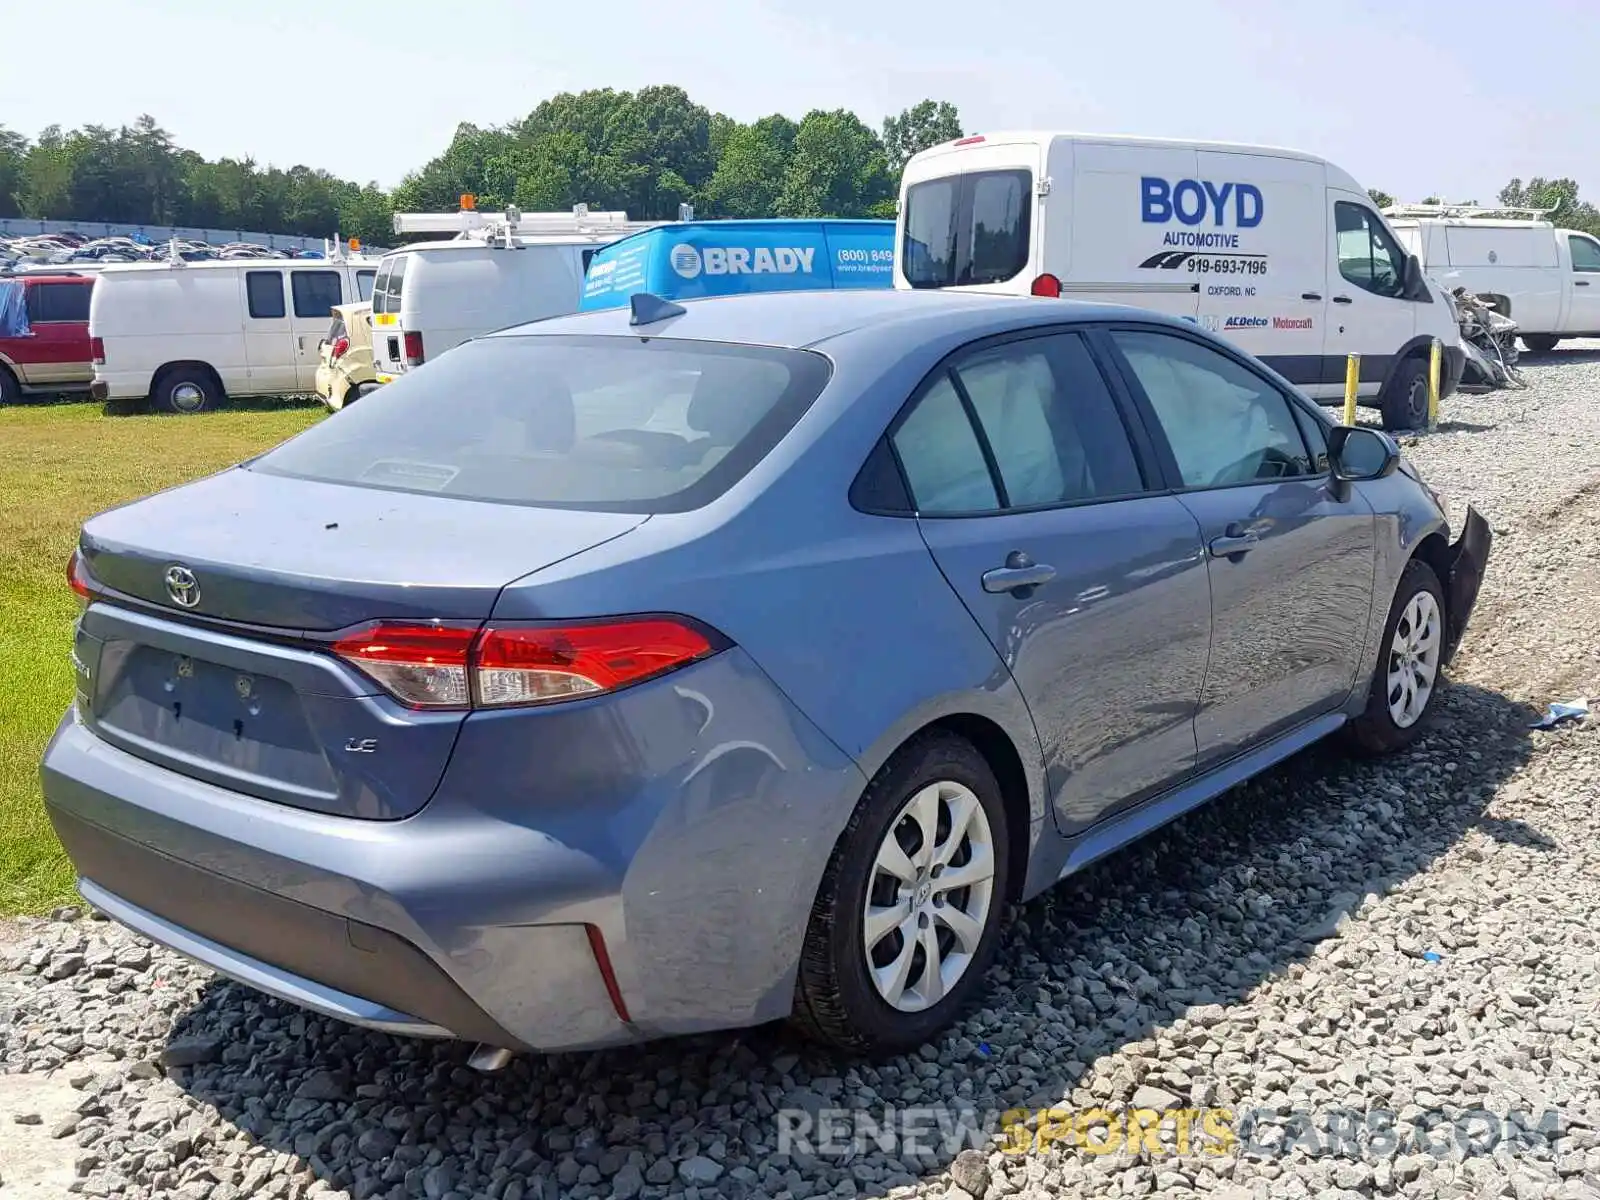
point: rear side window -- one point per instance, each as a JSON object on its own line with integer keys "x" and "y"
{"x": 58, "y": 302}
{"x": 264, "y": 291}
{"x": 601, "y": 423}
{"x": 315, "y": 292}
{"x": 967, "y": 229}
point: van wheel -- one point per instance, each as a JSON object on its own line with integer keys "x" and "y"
{"x": 184, "y": 391}
{"x": 362, "y": 391}
{"x": 907, "y": 918}
{"x": 1540, "y": 343}
{"x": 10, "y": 390}
{"x": 1405, "y": 400}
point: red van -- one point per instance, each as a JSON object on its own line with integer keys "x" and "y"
{"x": 55, "y": 354}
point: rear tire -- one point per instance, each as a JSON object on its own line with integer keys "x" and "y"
{"x": 1407, "y": 676}
{"x": 864, "y": 984}
{"x": 185, "y": 390}
{"x": 1540, "y": 343}
{"x": 10, "y": 389}
{"x": 1405, "y": 400}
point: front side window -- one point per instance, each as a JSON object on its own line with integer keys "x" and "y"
{"x": 264, "y": 291}
{"x": 364, "y": 280}
{"x": 1226, "y": 425}
{"x": 601, "y": 423}
{"x": 315, "y": 292}
{"x": 1369, "y": 257}
{"x": 967, "y": 229}
{"x": 1585, "y": 254}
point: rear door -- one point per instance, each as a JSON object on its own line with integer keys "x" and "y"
{"x": 312, "y": 294}
{"x": 386, "y": 292}
{"x": 269, "y": 336}
{"x": 970, "y": 223}
{"x": 1290, "y": 554}
{"x": 1367, "y": 314}
{"x": 1091, "y": 588}
{"x": 58, "y": 352}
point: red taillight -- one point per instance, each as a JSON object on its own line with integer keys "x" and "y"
{"x": 453, "y": 666}
{"x": 97, "y": 350}
{"x": 413, "y": 343}
{"x": 339, "y": 348}
{"x": 1046, "y": 285}
{"x": 77, "y": 577}
{"x": 969, "y": 141}
{"x": 533, "y": 665}
{"x": 421, "y": 665}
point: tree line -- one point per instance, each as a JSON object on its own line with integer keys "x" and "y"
{"x": 644, "y": 152}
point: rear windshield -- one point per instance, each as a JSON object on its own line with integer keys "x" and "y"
{"x": 967, "y": 229}
{"x": 607, "y": 423}
{"x": 386, "y": 288}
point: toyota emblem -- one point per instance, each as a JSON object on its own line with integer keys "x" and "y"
{"x": 182, "y": 586}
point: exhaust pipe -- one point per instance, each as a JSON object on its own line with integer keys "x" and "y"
{"x": 489, "y": 1059}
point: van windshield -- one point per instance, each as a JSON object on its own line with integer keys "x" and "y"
{"x": 967, "y": 229}
{"x": 600, "y": 423}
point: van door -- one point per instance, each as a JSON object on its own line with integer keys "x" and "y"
{"x": 976, "y": 227}
{"x": 1366, "y": 277}
{"x": 269, "y": 350}
{"x": 1262, "y": 271}
{"x": 312, "y": 295}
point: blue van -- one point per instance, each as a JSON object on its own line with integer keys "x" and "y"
{"x": 691, "y": 259}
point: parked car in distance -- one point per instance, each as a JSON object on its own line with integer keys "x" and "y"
{"x": 344, "y": 369}
{"x": 48, "y": 351}
{"x": 1281, "y": 252}
{"x": 627, "y": 675}
{"x": 183, "y": 336}
{"x": 1544, "y": 278}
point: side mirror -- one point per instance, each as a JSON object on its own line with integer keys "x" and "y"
{"x": 1415, "y": 287}
{"x": 1356, "y": 453}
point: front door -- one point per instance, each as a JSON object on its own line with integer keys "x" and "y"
{"x": 1092, "y": 589}
{"x": 269, "y": 348}
{"x": 1366, "y": 312}
{"x": 1585, "y": 315}
{"x": 1289, "y": 551}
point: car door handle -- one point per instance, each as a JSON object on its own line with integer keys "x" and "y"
{"x": 1230, "y": 543}
{"x": 1019, "y": 572}
{"x": 1311, "y": 295}
{"x": 1580, "y": 283}
{"x": 1343, "y": 300}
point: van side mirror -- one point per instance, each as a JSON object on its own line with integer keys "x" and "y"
{"x": 1356, "y": 453}
{"x": 1415, "y": 287}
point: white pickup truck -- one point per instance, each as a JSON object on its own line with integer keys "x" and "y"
{"x": 1544, "y": 278}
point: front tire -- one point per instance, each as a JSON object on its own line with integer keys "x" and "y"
{"x": 184, "y": 391}
{"x": 1405, "y": 401}
{"x": 10, "y": 389}
{"x": 1540, "y": 343}
{"x": 907, "y": 919}
{"x": 1406, "y": 681}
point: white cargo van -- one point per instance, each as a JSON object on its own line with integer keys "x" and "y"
{"x": 187, "y": 335}
{"x": 1544, "y": 278}
{"x": 1278, "y": 251}
{"x": 498, "y": 270}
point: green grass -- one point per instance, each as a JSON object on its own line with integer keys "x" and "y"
{"x": 61, "y": 463}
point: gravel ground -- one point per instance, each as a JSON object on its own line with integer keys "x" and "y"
{"x": 1333, "y": 950}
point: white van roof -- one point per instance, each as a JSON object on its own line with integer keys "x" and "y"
{"x": 233, "y": 264}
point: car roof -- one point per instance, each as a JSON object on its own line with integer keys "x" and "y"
{"x": 806, "y": 319}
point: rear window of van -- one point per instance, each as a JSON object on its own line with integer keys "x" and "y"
{"x": 967, "y": 229}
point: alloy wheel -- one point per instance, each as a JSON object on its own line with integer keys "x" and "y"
{"x": 1414, "y": 659}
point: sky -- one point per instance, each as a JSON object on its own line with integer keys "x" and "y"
{"x": 1411, "y": 96}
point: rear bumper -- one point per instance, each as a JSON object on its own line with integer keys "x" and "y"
{"x": 686, "y": 822}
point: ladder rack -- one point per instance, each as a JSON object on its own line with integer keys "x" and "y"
{"x": 505, "y": 227}
{"x": 1504, "y": 212}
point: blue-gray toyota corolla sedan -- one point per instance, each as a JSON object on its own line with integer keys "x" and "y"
{"x": 629, "y": 675}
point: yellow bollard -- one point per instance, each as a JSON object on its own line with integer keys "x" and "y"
{"x": 1433, "y": 383}
{"x": 1352, "y": 380}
